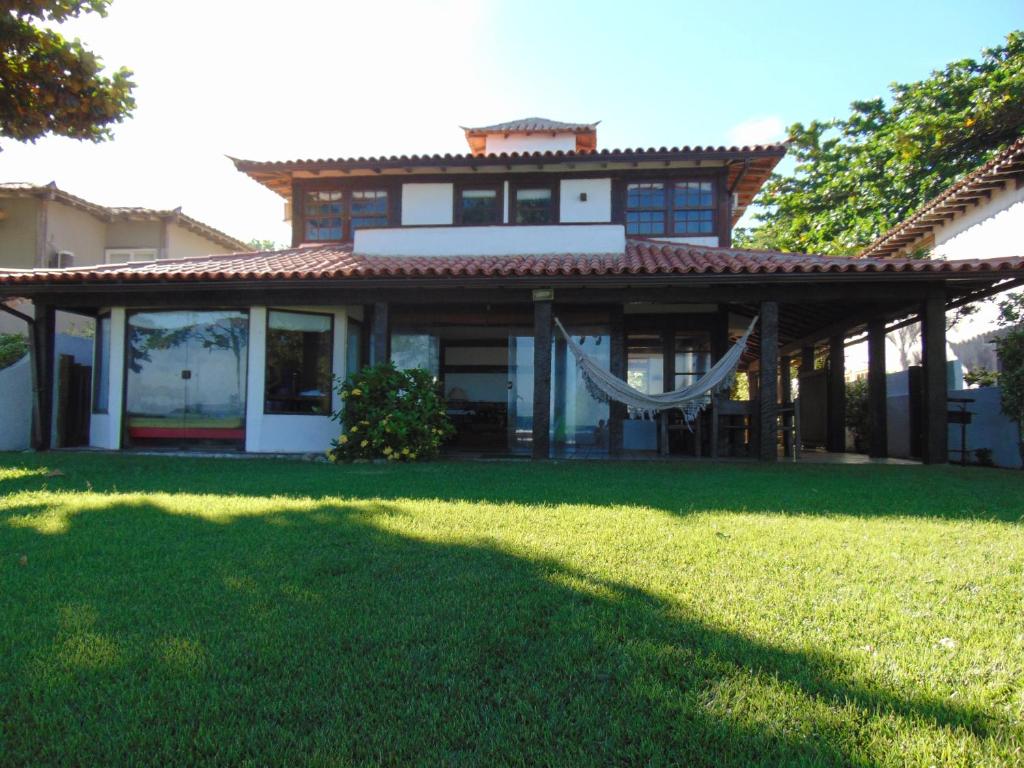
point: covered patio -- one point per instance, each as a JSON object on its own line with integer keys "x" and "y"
{"x": 657, "y": 315}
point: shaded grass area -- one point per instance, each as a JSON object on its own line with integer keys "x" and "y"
{"x": 264, "y": 612}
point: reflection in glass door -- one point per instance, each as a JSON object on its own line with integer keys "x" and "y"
{"x": 186, "y": 379}
{"x": 520, "y": 394}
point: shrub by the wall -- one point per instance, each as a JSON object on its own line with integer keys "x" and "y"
{"x": 12, "y": 348}
{"x": 391, "y": 414}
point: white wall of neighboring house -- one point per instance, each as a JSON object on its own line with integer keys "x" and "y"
{"x": 16, "y": 413}
{"x": 596, "y": 208}
{"x": 427, "y": 204}
{"x": 182, "y": 243}
{"x": 537, "y": 142}
{"x": 289, "y": 433}
{"x": 993, "y": 228}
{"x": 491, "y": 241}
{"x": 69, "y": 229}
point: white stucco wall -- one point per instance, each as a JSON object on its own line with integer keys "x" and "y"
{"x": 596, "y": 208}
{"x": 183, "y": 243}
{"x": 427, "y": 204}
{"x": 538, "y": 142}
{"x": 491, "y": 241}
{"x": 289, "y": 433}
{"x": 706, "y": 240}
{"x": 69, "y": 229}
{"x": 105, "y": 428}
{"x": 16, "y": 413}
{"x": 993, "y": 228}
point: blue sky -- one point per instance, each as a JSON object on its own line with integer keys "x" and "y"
{"x": 311, "y": 79}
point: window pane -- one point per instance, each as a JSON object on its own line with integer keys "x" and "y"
{"x": 480, "y": 206}
{"x": 415, "y": 350}
{"x": 366, "y": 201}
{"x": 298, "y": 376}
{"x": 533, "y": 206}
{"x": 693, "y": 194}
{"x": 645, "y": 222}
{"x": 645, "y": 196}
{"x": 101, "y": 391}
{"x": 693, "y": 222}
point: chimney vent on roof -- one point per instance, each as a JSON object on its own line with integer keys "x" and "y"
{"x": 532, "y": 134}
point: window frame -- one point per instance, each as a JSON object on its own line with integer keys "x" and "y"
{"x": 98, "y": 342}
{"x": 330, "y": 356}
{"x": 457, "y": 190}
{"x": 515, "y": 187}
{"x": 347, "y": 195}
{"x": 669, "y": 209}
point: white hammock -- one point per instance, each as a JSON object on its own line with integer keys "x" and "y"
{"x": 691, "y": 400}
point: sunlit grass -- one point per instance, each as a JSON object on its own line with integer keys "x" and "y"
{"x": 265, "y": 612}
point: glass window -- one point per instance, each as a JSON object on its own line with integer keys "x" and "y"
{"x": 416, "y": 350}
{"x": 369, "y": 208}
{"x": 323, "y": 215}
{"x": 101, "y": 386}
{"x": 354, "y": 347}
{"x": 298, "y": 377}
{"x": 534, "y": 206}
{"x": 693, "y": 208}
{"x": 479, "y": 206}
{"x": 693, "y": 357}
{"x": 687, "y": 208}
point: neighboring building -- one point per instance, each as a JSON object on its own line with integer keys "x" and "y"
{"x": 46, "y": 227}
{"x": 458, "y": 264}
{"x": 981, "y": 215}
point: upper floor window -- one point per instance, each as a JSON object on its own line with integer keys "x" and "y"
{"x": 335, "y": 215}
{"x": 480, "y": 205}
{"x": 533, "y": 205}
{"x": 679, "y": 208}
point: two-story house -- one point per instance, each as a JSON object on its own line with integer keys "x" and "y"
{"x": 459, "y": 264}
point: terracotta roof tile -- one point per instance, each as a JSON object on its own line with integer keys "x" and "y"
{"x": 530, "y": 125}
{"x": 641, "y": 257}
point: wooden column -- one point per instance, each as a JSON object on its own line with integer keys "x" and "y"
{"x": 807, "y": 360}
{"x": 668, "y": 377}
{"x": 541, "y": 378}
{"x": 786, "y": 398}
{"x": 878, "y": 419}
{"x": 720, "y": 333}
{"x": 836, "y": 433}
{"x": 380, "y": 335}
{"x": 935, "y": 447}
{"x": 617, "y": 365}
{"x": 42, "y": 351}
{"x": 768, "y": 395}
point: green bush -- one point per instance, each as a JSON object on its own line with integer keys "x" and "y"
{"x": 857, "y": 415}
{"x": 12, "y": 348}
{"x": 390, "y": 414}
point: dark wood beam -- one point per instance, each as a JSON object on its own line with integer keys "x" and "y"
{"x": 542, "y": 378}
{"x": 836, "y": 433}
{"x": 768, "y": 392}
{"x": 878, "y": 421}
{"x": 933, "y": 343}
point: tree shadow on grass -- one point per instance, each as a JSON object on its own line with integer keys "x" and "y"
{"x": 139, "y": 633}
{"x": 680, "y": 488}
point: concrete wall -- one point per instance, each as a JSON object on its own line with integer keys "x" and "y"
{"x": 538, "y": 142}
{"x": 69, "y": 229}
{"x": 284, "y": 433}
{"x": 183, "y": 243}
{"x": 16, "y": 413}
{"x": 19, "y": 232}
{"x": 427, "y": 204}
{"x": 991, "y": 229}
{"x": 596, "y": 208}
{"x": 491, "y": 241}
{"x": 134, "y": 234}
{"x": 989, "y": 428}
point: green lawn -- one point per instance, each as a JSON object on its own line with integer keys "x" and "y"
{"x": 264, "y": 612}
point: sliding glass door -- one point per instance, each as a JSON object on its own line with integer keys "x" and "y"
{"x": 186, "y": 378}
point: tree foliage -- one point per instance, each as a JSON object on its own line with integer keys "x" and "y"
{"x": 13, "y": 347}
{"x": 857, "y": 177}
{"x": 1010, "y": 347}
{"x": 52, "y": 85}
